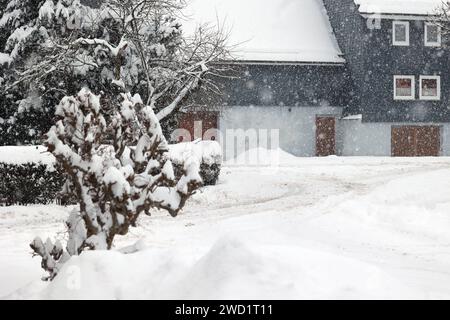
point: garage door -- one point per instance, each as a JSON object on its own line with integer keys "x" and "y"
{"x": 416, "y": 141}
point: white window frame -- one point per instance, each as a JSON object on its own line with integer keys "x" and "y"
{"x": 438, "y": 80}
{"x": 432, "y": 44}
{"x": 413, "y": 87}
{"x": 400, "y": 43}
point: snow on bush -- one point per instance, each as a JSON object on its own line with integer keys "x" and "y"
{"x": 208, "y": 153}
{"x": 116, "y": 182}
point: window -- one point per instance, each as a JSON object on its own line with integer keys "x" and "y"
{"x": 400, "y": 33}
{"x": 430, "y": 87}
{"x": 404, "y": 88}
{"x": 432, "y": 35}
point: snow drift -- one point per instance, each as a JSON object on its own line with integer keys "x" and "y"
{"x": 230, "y": 269}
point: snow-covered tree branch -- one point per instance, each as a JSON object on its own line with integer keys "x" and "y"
{"x": 441, "y": 19}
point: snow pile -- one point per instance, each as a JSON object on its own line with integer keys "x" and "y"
{"x": 419, "y": 7}
{"x": 411, "y": 204}
{"x": 263, "y": 157}
{"x": 275, "y": 30}
{"x": 229, "y": 269}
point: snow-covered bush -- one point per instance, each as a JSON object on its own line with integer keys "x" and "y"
{"x": 117, "y": 161}
{"x": 208, "y": 153}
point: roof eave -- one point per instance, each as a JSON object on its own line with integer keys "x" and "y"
{"x": 275, "y": 62}
{"x": 398, "y": 16}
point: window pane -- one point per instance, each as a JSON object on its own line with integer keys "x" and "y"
{"x": 429, "y": 88}
{"x": 400, "y": 32}
{"x": 403, "y": 88}
{"x": 432, "y": 34}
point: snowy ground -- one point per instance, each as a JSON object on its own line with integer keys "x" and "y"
{"x": 314, "y": 228}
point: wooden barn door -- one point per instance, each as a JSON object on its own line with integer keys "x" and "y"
{"x": 198, "y": 123}
{"x": 428, "y": 140}
{"x": 416, "y": 141}
{"x": 403, "y": 141}
{"x": 325, "y": 136}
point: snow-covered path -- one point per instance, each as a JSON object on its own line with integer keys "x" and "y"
{"x": 313, "y": 228}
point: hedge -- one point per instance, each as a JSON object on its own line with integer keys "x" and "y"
{"x": 40, "y": 183}
{"x": 29, "y": 183}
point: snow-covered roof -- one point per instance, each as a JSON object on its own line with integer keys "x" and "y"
{"x": 272, "y": 30}
{"x": 413, "y": 7}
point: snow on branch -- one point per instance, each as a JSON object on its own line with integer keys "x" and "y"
{"x": 176, "y": 102}
{"x": 114, "y": 50}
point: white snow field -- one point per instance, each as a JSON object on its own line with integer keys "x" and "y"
{"x": 330, "y": 228}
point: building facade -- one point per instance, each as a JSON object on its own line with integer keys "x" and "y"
{"x": 383, "y": 90}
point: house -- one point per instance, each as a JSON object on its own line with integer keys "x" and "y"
{"x": 347, "y": 77}
{"x": 400, "y": 72}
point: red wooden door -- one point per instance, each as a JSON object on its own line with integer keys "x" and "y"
{"x": 428, "y": 140}
{"x": 416, "y": 141}
{"x": 325, "y": 136}
{"x": 199, "y": 123}
{"x": 403, "y": 141}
